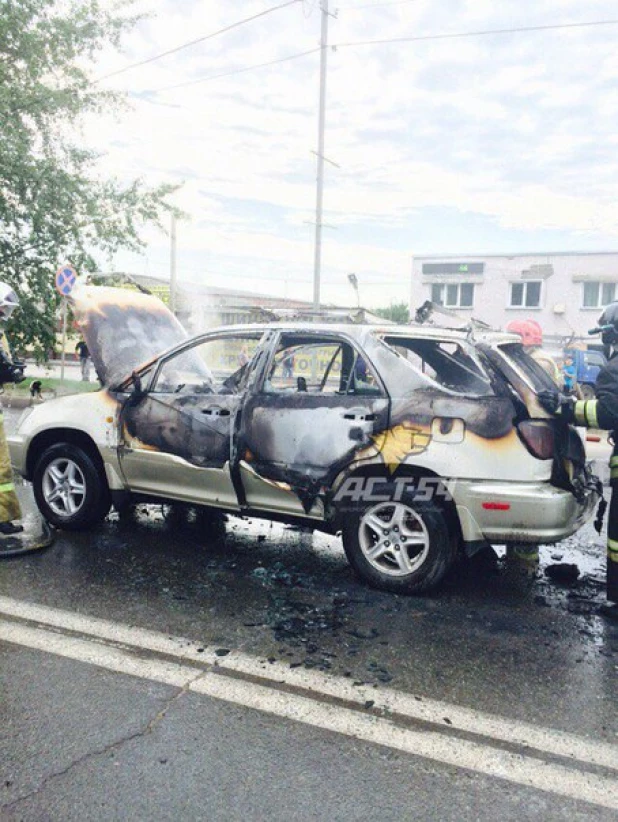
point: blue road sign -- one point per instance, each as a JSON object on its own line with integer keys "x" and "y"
{"x": 65, "y": 279}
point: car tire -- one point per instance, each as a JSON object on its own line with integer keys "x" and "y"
{"x": 70, "y": 490}
{"x": 401, "y": 546}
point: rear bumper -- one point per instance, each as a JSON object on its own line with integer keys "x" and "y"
{"x": 535, "y": 512}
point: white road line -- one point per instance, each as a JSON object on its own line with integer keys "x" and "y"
{"x": 529, "y": 771}
{"x": 544, "y": 740}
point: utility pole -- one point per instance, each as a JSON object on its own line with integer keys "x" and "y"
{"x": 173, "y": 265}
{"x": 320, "y": 187}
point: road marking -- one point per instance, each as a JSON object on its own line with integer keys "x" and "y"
{"x": 113, "y": 646}
{"x": 557, "y": 743}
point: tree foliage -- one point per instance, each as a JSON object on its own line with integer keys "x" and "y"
{"x": 397, "y": 312}
{"x": 54, "y": 206}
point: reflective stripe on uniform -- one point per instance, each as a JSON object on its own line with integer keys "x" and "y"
{"x": 612, "y": 549}
{"x": 590, "y": 412}
{"x": 580, "y": 412}
{"x": 7, "y": 486}
{"x": 586, "y": 413}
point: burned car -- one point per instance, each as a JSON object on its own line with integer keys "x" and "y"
{"x": 415, "y": 443}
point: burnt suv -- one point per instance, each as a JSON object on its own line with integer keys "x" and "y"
{"x": 415, "y": 443}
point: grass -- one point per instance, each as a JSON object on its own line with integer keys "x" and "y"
{"x": 53, "y": 385}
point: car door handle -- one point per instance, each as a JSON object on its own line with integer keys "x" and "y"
{"x": 216, "y": 412}
{"x": 360, "y": 417}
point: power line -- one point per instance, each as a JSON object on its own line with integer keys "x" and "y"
{"x": 229, "y": 73}
{"x": 418, "y": 38}
{"x": 43, "y": 99}
{"x": 196, "y": 41}
{"x": 449, "y": 35}
{"x": 482, "y": 33}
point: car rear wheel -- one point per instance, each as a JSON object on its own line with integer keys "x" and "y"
{"x": 70, "y": 491}
{"x": 401, "y": 546}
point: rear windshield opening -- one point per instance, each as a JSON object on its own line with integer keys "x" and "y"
{"x": 446, "y": 363}
{"x": 535, "y": 373}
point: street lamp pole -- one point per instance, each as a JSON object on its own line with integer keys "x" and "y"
{"x": 353, "y": 280}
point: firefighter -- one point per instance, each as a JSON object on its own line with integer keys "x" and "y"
{"x": 601, "y": 412}
{"x": 10, "y": 371}
{"x": 531, "y": 335}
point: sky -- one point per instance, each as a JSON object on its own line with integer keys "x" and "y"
{"x": 499, "y": 143}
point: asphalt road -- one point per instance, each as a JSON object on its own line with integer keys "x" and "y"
{"x": 170, "y": 667}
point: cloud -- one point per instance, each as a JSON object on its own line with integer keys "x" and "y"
{"x": 512, "y": 136}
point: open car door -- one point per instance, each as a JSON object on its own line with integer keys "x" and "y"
{"x": 178, "y": 432}
{"x": 317, "y": 404}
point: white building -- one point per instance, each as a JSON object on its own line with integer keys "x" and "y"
{"x": 565, "y": 292}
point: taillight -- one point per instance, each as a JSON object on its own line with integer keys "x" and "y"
{"x": 538, "y": 437}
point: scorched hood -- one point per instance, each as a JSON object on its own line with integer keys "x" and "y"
{"x": 123, "y": 329}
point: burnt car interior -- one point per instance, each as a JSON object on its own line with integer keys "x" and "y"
{"x": 445, "y": 363}
{"x": 319, "y": 366}
{"x": 216, "y": 366}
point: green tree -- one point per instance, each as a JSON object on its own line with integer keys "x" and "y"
{"x": 397, "y": 312}
{"x": 54, "y": 206}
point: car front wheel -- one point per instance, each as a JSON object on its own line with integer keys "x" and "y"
{"x": 401, "y": 546}
{"x": 69, "y": 489}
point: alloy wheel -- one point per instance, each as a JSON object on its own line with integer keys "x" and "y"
{"x": 393, "y": 538}
{"x": 64, "y": 487}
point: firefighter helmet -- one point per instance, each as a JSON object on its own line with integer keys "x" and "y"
{"x": 609, "y": 317}
{"x": 8, "y": 301}
{"x": 530, "y": 331}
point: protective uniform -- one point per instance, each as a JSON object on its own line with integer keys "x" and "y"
{"x": 9, "y": 372}
{"x": 601, "y": 412}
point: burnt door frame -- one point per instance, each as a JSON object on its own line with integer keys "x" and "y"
{"x": 356, "y": 417}
{"x": 166, "y": 467}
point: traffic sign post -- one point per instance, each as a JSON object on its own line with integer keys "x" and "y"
{"x": 65, "y": 280}
{"x": 64, "y": 337}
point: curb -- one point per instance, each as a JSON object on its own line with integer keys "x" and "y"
{"x": 15, "y": 402}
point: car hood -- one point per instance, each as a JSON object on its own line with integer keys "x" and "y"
{"x": 123, "y": 328}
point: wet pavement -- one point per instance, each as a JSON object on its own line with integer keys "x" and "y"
{"x": 493, "y": 638}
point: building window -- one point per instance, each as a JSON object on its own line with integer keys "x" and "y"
{"x": 526, "y": 294}
{"x": 597, "y": 295}
{"x": 456, "y": 295}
